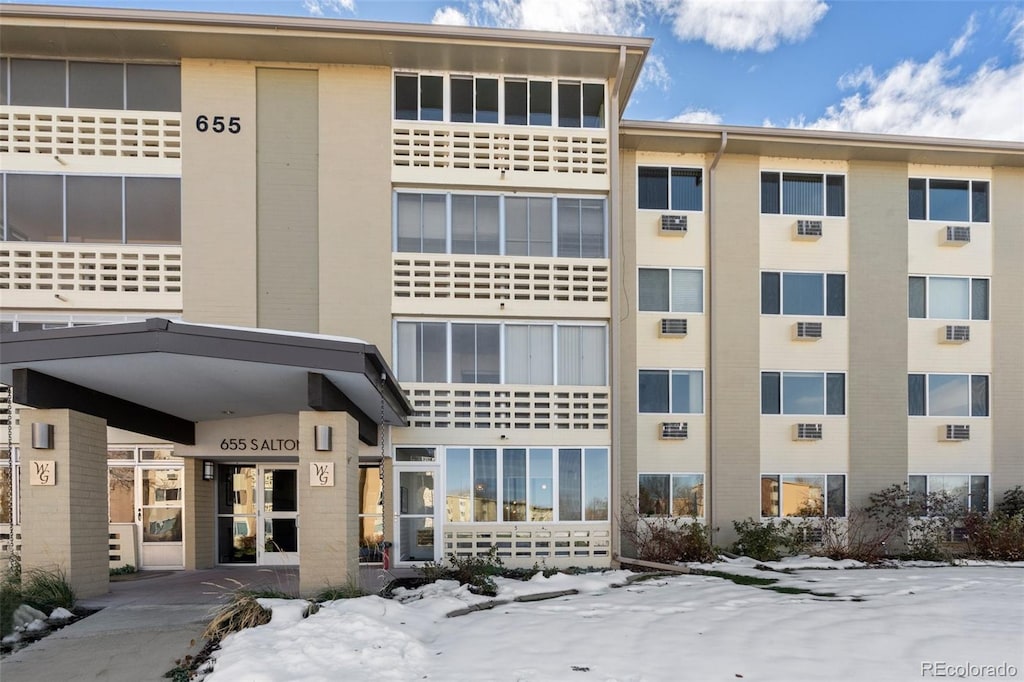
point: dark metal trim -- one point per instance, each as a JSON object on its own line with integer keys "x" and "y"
{"x": 326, "y": 397}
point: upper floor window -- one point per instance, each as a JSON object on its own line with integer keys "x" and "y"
{"x": 91, "y": 85}
{"x": 91, "y": 209}
{"x": 815, "y": 393}
{"x": 671, "y": 391}
{"x": 947, "y": 395}
{"x": 803, "y": 194}
{"x": 675, "y": 290}
{"x": 507, "y": 100}
{"x": 484, "y": 353}
{"x": 663, "y": 188}
{"x": 491, "y": 224}
{"x": 956, "y": 200}
{"x": 803, "y": 293}
{"x": 948, "y": 298}
{"x": 809, "y": 495}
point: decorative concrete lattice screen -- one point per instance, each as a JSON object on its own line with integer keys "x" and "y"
{"x": 559, "y": 545}
{"x": 57, "y": 268}
{"x": 4, "y": 416}
{"x": 501, "y": 278}
{"x": 122, "y": 547}
{"x": 90, "y": 132}
{"x": 10, "y": 540}
{"x": 476, "y": 406}
{"x": 502, "y": 148}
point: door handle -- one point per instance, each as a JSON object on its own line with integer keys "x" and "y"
{"x": 140, "y": 514}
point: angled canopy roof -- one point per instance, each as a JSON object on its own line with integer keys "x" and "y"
{"x": 160, "y": 377}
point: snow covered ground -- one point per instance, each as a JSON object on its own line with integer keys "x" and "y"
{"x": 882, "y": 624}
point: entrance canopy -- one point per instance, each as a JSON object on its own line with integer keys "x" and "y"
{"x": 160, "y": 377}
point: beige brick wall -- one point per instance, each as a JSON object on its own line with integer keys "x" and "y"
{"x": 64, "y": 526}
{"x": 199, "y": 517}
{"x": 624, "y": 398}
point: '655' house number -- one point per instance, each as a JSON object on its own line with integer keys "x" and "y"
{"x": 218, "y": 124}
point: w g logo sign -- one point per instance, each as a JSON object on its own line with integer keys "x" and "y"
{"x": 42, "y": 472}
{"x": 321, "y": 474}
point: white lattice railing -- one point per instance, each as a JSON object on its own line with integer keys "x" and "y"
{"x": 56, "y": 131}
{"x": 557, "y": 545}
{"x": 56, "y": 269}
{"x": 504, "y": 406}
{"x": 121, "y": 537}
{"x": 500, "y": 148}
{"x": 502, "y": 278}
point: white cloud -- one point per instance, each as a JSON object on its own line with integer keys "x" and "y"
{"x": 932, "y": 98}
{"x": 759, "y": 25}
{"x": 320, "y": 7}
{"x": 654, "y": 74}
{"x": 697, "y": 116}
{"x": 449, "y": 16}
{"x": 617, "y": 17}
{"x": 1015, "y": 17}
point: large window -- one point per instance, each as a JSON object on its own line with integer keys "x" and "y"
{"x": 532, "y": 485}
{"x": 948, "y": 298}
{"x": 807, "y": 495}
{"x": 971, "y": 491}
{"x": 663, "y": 188}
{"x": 91, "y": 85}
{"x": 811, "y": 393}
{"x": 814, "y": 194}
{"x": 676, "y": 290}
{"x": 803, "y": 293}
{"x": 671, "y": 391}
{"x": 509, "y": 353}
{"x": 567, "y": 227}
{"x": 90, "y": 209}
{"x": 954, "y": 200}
{"x": 670, "y": 495}
{"x": 947, "y": 395}
{"x": 507, "y": 100}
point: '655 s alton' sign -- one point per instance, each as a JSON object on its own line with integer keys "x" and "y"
{"x": 260, "y": 444}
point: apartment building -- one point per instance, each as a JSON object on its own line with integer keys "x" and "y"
{"x": 583, "y": 314}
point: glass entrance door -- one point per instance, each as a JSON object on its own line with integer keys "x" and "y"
{"x": 416, "y": 518}
{"x": 149, "y": 496}
{"x": 257, "y": 514}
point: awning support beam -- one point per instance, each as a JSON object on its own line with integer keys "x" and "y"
{"x": 326, "y": 397}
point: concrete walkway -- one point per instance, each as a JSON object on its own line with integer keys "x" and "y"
{"x": 145, "y": 626}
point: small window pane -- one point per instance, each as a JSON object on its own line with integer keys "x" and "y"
{"x": 595, "y": 484}
{"x": 458, "y": 488}
{"x": 515, "y": 103}
{"x": 687, "y": 392}
{"x": 836, "y": 495}
{"x": 770, "y": 393}
{"x": 770, "y": 193}
{"x": 569, "y": 238}
{"x": 654, "y": 289}
{"x": 152, "y": 210}
{"x": 463, "y": 224}
{"x": 153, "y": 87}
{"x": 431, "y": 98}
{"x": 979, "y": 201}
{"x": 688, "y": 495}
{"x": 915, "y": 395}
{"x": 35, "y": 208}
{"x": 918, "y": 488}
{"x": 835, "y": 304}
{"x": 949, "y": 298}
{"x": 407, "y": 97}
{"x": 802, "y": 194}
{"x": 654, "y": 494}
{"x": 485, "y": 484}
{"x": 916, "y": 199}
{"x": 486, "y": 100}
{"x": 979, "y": 299}
{"x": 540, "y": 103}
{"x": 948, "y": 395}
{"x": 803, "y": 393}
{"x": 434, "y": 223}
{"x": 593, "y": 105}
{"x": 948, "y": 200}
{"x": 803, "y": 294}
{"x": 916, "y": 297}
{"x": 408, "y": 210}
{"x": 569, "y": 105}
{"x": 687, "y": 189}
{"x": 835, "y": 393}
{"x": 488, "y": 354}
{"x": 570, "y": 483}
{"x": 513, "y": 486}
{"x": 462, "y": 100}
{"x": 93, "y": 209}
{"x": 979, "y": 395}
{"x": 653, "y": 391}
{"x": 835, "y": 195}
{"x": 4, "y": 100}
{"x": 38, "y": 82}
{"x": 592, "y": 228}
{"x": 771, "y": 295}
{"x": 541, "y": 485}
{"x": 979, "y": 494}
{"x": 96, "y": 86}
{"x": 687, "y": 291}
{"x": 803, "y": 496}
{"x": 770, "y": 496}
{"x": 652, "y": 187}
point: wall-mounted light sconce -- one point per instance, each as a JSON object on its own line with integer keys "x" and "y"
{"x": 207, "y": 470}
{"x": 322, "y": 438}
{"x": 42, "y": 436}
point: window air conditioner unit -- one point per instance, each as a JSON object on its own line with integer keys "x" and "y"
{"x": 807, "y": 331}
{"x": 673, "y": 431}
{"x": 955, "y": 333}
{"x": 673, "y": 327}
{"x": 954, "y": 432}
{"x": 807, "y": 229}
{"x": 673, "y": 224}
{"x": 958, "y": 235}
{"x": 806, "y": 431}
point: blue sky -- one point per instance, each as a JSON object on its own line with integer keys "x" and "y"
{"x": 945, "y": 68}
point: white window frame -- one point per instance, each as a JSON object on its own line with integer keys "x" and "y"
{"x": 970, "y": 297}
{"x": 970, "y": 398}
{"x": 970, "y": 203}
{"x": 671, "y": 474}
{"x": 824, "y": 387}
{"x": 671, "y": 208}
{"x": 824, "y": 292}
{"x": 670, "y": 371}
{"x": 824, "y": 494}
{"x": 824, "y": 189}
{"x": 671, "y": 270}
{"x": 970, "y": 495}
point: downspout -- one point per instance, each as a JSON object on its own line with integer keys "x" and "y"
{"x": 615, "y": 332}
{"x": 709, "y": 406}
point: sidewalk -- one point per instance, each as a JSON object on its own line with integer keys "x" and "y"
{"x": 145, "y": 625}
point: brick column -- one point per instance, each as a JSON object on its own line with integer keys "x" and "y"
{"x": 328, "y": 515}
{"x": 65, "y": 525}
{"x": 199, "y": 518}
